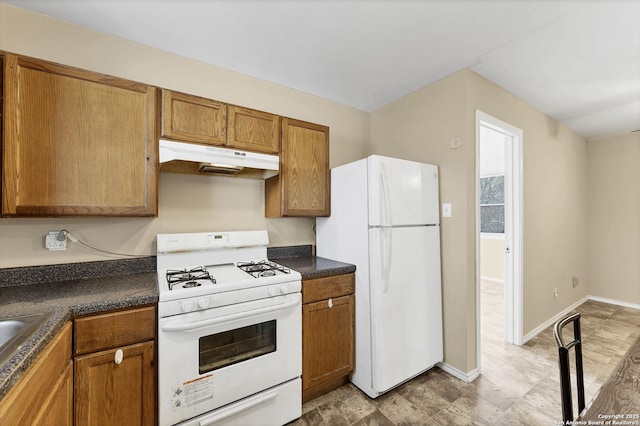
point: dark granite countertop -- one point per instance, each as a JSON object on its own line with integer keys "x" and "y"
{"x": 301, "y": 259}
{"x": 98, "y": 287}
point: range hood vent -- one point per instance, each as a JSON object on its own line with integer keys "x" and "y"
{"x": 181, "y": 157}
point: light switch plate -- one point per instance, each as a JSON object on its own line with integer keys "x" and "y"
{"x": 446, "y": 209}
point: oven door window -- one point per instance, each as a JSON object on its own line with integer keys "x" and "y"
{"x": 234, "y": 346}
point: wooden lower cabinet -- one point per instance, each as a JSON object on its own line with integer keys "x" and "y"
{"x": 58, "y": 409}
{"x": 110, "y": 381}
{"x": 114, "y": 368}
{"x": 328, "y": 314}
{"x": 44, "y": 395}
{"x": 108, "y": 392}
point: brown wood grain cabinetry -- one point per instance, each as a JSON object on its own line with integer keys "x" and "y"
{"x": 253, "y": 130}
{"x": 115, "y": 368}
{"x": 76, "y": 142}
{"x": 193, "y": 119}
{"x": 44, "y": 395}
{"x": 327, "y": 333}
{"x": 189, "y": 118}
{"x": 303, "y": 186}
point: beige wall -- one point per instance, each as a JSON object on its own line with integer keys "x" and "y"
{"x": 420, "y": 127}
{"x": 614, "y": 217}
{"x": 186, "y": 203}
{"x": 554, "y": 203}
{"x": 492, "y": 258}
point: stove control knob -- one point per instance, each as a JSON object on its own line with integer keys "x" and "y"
{"x": 272, "y": 291}
{"x": 185, "y": 305}
{"x": 203, "y": 303}
{"x": 283, "y": 289}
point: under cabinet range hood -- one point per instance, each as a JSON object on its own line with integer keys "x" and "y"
{"x": 181, "y": 157}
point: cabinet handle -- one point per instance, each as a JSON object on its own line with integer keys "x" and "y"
{"x": 330, "y": 303}
{"x": 119, "y": 356}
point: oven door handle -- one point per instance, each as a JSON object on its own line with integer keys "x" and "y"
{"x": 245, "y": 405}
{"x": 226, "y": 318}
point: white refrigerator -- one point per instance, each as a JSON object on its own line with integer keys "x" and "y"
{"x": 385, "y": 220}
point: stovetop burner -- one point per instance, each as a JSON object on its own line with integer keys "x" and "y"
{"x": 188, "y": 278}
{"x": 263, "y": 268}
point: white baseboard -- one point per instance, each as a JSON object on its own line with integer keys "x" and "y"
{"x": 615, "y": 302}
{"x": 465, "y": 377}
{"x": 533, "y": 333}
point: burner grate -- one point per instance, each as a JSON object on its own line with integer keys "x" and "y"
{"x": 263, "y": 268}
{"x": 188, "y": 277}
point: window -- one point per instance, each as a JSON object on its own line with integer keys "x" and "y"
{"x": 492, "y": 204}
{"x": 237, "y": 345}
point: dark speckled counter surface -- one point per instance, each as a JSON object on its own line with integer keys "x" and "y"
{"x": 301, "y": 259}
{"x": 91, "y": 287}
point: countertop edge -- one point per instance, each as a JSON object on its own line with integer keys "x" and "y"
{"x": 311, "y": 267}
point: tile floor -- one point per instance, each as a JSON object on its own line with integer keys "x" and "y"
{"x": 518, "y": 385}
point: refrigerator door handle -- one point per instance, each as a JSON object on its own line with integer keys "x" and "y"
{"x": 387, "y": 244}
{"x": 386, "y": 218}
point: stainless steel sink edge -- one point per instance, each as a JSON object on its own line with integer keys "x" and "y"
{"x": 33, "y": 323}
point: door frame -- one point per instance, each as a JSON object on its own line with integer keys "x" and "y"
{"x": 513, "y": 230}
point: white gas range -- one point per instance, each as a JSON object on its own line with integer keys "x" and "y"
{"x": 229, "y": 331}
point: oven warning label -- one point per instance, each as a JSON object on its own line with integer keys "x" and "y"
{"x": 192, "y": 392}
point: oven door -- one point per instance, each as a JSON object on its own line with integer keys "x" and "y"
{"x": 211, "y": 358}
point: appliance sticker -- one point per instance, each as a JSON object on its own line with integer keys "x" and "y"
{"x": 192, "y": 392}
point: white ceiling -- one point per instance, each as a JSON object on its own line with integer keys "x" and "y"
{"x": 577, "y": 61}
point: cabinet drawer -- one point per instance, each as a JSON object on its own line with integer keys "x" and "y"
{"x": 323, "y": 288}
{"x": 99, "y": 332}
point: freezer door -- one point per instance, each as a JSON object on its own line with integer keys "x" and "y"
{"x": 406, "y": 303}
{"x": 402, "y": 192}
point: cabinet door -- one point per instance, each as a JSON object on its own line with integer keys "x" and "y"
{"x": 253, "y": 130}
{"x": 42, "y": 396}
{"x": 303, "y": 186}
{"x": 327, "y": 340}
{"x": 76, "y": 143}
{"x": 58, "y": 409}
{"x": 107, "y": 392}
{"x": 193, "y": 119}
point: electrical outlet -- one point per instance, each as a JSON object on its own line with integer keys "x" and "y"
{"x": 575, "y": 282}
{"x": 55, "y": 241}
{"x": 555, "y": 293}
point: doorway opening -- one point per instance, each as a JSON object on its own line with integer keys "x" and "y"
{"x": 499, "y": 233}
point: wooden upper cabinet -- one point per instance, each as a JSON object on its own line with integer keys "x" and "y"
{"x": 76, "y": 143}
{"x": 193, "y": 119}
{"x": 253, "y": 130}
{"x": 189, "y": 118}
{"x": 303, "y": 186}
